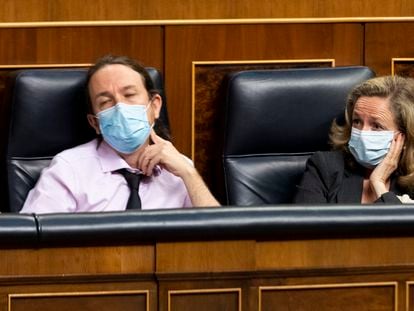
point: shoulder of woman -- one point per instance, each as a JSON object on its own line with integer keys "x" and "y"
{"x": 328, "y": 157}
{"x": 329, "y": 164}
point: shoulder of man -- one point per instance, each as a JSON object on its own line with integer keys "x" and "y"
{"x": 87, "y": 149}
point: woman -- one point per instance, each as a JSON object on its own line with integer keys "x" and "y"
{"x": 373, "y": 152}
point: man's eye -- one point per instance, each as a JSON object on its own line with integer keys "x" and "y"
{"x": 104, "y": 102}
{"x": 130, "y": 95}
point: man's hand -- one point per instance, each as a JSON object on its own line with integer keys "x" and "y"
{"x": 163, "y": 153}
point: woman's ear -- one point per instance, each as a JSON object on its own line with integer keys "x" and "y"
{"x": 93, "y": 121}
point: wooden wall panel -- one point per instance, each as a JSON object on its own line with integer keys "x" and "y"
{"x": 130, "y": 293}
{"x": 187, "y": 44}
{"x": 205, "y": 300}
{"x": 352, "y": 297}
{"x": 409, "y": 296}
{"x": 176, "y": 47}
{"x": 209, "y": 91}
{"x": 75, "y": 10}
{"x": 403, "y": 67}
{"x": 62, "y": 45}
{"x": 102, "y": 301}
{"x": 384, "y": 41}
{"x": 201, "y": 292}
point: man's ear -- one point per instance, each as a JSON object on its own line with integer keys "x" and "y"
{"x": 93, "y": 121}
{"x": 156, "y": 104}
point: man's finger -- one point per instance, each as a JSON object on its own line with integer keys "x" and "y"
{"x": 155, "y": 138}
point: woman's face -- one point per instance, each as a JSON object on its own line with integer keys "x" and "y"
{"x": 373, "y": 114}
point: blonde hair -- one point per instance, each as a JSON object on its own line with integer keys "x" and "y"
{"x": 400, "y": 94}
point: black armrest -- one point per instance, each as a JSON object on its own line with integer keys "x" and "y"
{"x": 18, "y": 231}
{"x": 260, "y": 223}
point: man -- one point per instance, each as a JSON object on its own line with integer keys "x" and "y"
{"x": 96, "y": 176}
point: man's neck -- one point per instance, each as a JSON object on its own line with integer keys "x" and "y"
{"x": 132, "y": 158}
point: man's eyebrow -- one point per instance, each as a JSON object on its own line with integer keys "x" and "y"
{"x": 128, "y": 87}
{"x": 104, "y": 93}
{"x": 108, "y": 94}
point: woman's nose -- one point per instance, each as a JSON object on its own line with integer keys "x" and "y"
{"x": 366, "y": 127}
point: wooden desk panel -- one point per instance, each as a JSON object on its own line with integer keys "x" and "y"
{"x": 195, "y": 257}
{"x": 337, "y": 274}
{"x": 77, "y": 261}
{"x": 334, "y": 253}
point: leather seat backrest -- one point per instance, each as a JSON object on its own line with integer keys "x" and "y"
{"x": 47, "y": 115}
{"x": 275, "y": 119}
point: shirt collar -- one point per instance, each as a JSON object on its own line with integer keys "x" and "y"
{"x": 111, "y": 161}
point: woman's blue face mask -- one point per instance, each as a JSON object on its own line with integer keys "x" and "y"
{"x": 370, "y": 147}
{"x": 125, "y": 127}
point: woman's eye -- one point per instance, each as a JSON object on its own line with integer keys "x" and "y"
{"x": 130, "y": 95}
{"x": 378, "y": 127}
{"x": 355, "y": 121}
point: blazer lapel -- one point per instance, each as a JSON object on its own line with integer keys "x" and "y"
{"x": 351, "y": 189}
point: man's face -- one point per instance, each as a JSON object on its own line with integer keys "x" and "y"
{"x": 113, "y": 84}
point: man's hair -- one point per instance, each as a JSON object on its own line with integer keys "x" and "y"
{"x": 106, "y": 60}
{"x": 399, "y": 92}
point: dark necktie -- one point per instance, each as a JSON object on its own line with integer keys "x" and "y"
{"x": 134, "y": 202}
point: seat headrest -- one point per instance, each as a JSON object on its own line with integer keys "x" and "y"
{"x": 49, "y": 109}
{"x": 48, "y": 115}
{"x": 48, "y": 112}
{"x": 286, "y": 111}
{"x": 275, "y": 120}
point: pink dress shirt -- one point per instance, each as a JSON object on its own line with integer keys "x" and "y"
{"x": 82, "y": 179}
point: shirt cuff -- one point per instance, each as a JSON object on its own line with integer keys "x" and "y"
{"x": 388, "y": 198}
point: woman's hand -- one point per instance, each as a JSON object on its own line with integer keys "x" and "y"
{"x": 379, "y": 178}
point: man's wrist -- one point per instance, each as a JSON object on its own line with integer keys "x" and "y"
{"x": 189, "y": 172}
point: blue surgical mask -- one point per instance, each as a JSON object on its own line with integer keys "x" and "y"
{"x": 370, "y": 147}
{"x": 125, "y": 127}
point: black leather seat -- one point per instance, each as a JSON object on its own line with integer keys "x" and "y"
{"x": 275, "y": 119}
{"x": 48, "y": 115}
